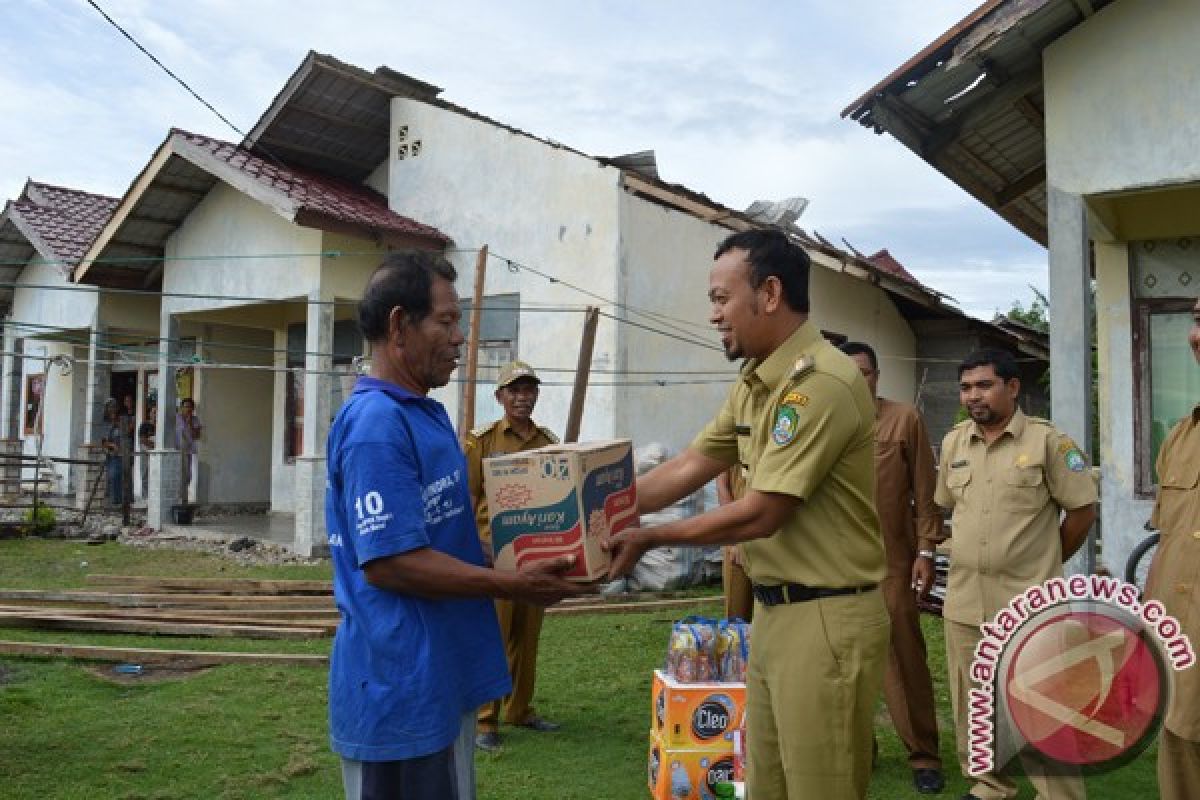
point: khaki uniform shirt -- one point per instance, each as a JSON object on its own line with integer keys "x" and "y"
{"x": 905, "y": 479}
{"x": 1175, "y": 574}
{"x": 497, "y": 439}
{"x": 1007, "y": 498}
{"x": 801, "y": 422}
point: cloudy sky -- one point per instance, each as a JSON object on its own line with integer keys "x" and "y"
{"x": 740, "y": 100}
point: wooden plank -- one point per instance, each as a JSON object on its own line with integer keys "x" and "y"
{"x": 143, "y": 655}
{"x": 182, "y": 615}
{"x": 623, "y": 608}
{"x": 77, "y": 623}
{"x": 467, "y": 413}
{"x": 165, "y": 600}
{"x": 636, "y": 597}
{"x": 244, "y": 586}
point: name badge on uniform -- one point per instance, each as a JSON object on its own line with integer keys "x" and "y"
{"x": 960, "y": 463}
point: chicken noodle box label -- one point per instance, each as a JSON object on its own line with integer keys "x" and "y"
{"x": 561, "y": 500}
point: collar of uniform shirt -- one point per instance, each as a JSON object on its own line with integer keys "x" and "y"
{"x": 772, "y": 370}
{"x": 1014, "y": 428}
{"x": 507, "y": 427}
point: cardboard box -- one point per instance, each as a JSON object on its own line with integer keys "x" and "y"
{"x": 675, "y": 774}
{"x": 560, "y": 500}
{"x": 696, "y": 716}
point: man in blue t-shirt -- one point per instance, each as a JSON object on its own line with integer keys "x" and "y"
{"x": 418, "y": 648}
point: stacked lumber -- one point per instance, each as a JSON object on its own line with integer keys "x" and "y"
{"x": 196, "y": 607}
{"x": 222, "y": 607}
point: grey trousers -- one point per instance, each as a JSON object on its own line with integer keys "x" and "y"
{"x": 446, "y": 775}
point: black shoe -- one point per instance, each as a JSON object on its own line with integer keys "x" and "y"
{"x": 488, "y": 741}
{"x": 968, "y": 796}
{"x": 540, "y": 725}
{"x": 928, "y": 780}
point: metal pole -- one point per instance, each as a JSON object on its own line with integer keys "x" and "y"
{"x": 583, "y": 369}
{"x": 467, "y": 412}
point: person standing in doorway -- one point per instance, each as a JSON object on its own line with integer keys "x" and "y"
{"x": 905, "y": 479}
{"x": 110, "y": 441}
{"x": 188, "y": 430}
{"x": 520, "y": 623}
{"x": 1175, "y": 582}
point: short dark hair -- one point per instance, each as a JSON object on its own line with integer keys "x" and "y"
{"x": 855, "y": 348}
{"x": 403, "y": 280}
{"x": 772, "y": 253}
{"x": 1000, "y": 360}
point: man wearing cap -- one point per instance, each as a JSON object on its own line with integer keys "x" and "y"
{"x": 520, "y": 623}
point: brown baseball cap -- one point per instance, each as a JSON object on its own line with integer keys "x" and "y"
{"x": 514, "y": 372}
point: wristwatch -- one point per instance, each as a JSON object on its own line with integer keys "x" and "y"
{"x": 926, "y": 554}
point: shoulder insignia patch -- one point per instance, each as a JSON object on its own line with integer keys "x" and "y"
{"x": 549, "y": 434}
{"x": 804, "y": 365}
{"x": 1066, "y": 446}
{"x": 787, "y": 422}
{"x": 1074, "y": 460}
{"x": 795, "y": 398}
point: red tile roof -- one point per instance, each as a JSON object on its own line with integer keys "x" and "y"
{"x": 316, "y": 193}
{"x": 886, "y": 262}
{"x": 65, "y": 220}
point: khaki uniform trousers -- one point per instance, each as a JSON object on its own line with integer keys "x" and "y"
{"x": 739, "y": 598}
{"x": 1178, "y": 767}
{"x": 813, "y": 682}
{"x": 520, "y": 627}
{"x": 960, "y": 652}
{"x": 907, "y": 684}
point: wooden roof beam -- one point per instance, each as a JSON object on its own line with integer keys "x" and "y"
{"x": 1019, "y": 187}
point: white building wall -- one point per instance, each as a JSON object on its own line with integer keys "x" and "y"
{"x": 666, "y": 256}
{"x": 236, "y": 407}
{"x": 1121, "y": 114}
{"x": 547, "y": 207}
{"x": 1120, "y": 102}
{"x": 59, "y": 394}
{"x": 850, "y": 306}
{"x": 73, "y": 307}
{"x": 218, "y": 251}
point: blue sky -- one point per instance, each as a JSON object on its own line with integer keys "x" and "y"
{"x": 740, "y": 100}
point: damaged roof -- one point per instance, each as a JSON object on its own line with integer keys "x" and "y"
{"x": 971, "y": 104}
{"x": 128, "y": 252}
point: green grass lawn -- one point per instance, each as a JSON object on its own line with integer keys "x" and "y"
{"x": 67, "y": 731}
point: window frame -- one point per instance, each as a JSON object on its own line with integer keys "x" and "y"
{"x": 1144, "y": 309}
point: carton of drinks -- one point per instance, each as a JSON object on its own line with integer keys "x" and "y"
{"x": 560, "y": 500}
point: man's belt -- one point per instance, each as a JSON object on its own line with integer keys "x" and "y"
{"x": 799, "y": 593}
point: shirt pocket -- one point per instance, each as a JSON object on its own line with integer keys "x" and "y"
{"x": 957, "y": 481}
{"x": 1025, "y": 487}
{"x": 1179, "y": 497}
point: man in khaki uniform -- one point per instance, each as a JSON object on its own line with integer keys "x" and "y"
{"x": 800, "y": 417}
{"x": 1007, "y": 478}
{"x": 520, "y": 623}
{"x": 1174, "y": 576}
{"x": 912, "y": 527}
{"x": 739, "y": 599}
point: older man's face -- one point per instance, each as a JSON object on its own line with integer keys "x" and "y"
{"x": 432, "y": 347}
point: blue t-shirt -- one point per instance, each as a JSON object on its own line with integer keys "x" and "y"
{"x": 404, "y": 669}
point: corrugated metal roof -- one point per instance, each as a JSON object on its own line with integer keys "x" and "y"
{"x": 971, "y": 104}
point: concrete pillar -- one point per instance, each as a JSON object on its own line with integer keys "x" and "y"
{"x": 85, "y": 475}
{"x": 10, "y": 384}
{"x": 165, "y": 467}
{"x": 1071, "y": 324}
{"x": 99, "y": 382}
{"x": 10, "y": 468}
{"x": 318, "y": 391}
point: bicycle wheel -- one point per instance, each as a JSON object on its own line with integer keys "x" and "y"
{"x": 1137, "y": 568}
